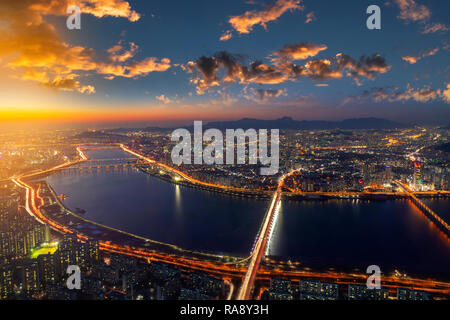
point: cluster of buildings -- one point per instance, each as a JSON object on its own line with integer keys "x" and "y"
{"x": 112, "y": 277}
{"x": 339, "y": 161}
{"x": 158, "y": 146}
{"x": 330, "y": 160}
{"x": 283, "y": 289}
{"x": 34, "y": 267}
{"x": 19, "y": 233}
{"x": 38, "y": 152}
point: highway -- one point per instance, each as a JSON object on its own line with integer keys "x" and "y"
{"x": 180, "y": 173}
{"x": 231, "y": 291}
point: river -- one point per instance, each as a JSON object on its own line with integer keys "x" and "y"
{"x": 341, "y": 234}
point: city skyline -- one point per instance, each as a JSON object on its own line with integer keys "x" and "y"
{"x": 224, "y": 150}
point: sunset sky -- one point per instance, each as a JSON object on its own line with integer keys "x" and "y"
{"x": 163, "y": 62}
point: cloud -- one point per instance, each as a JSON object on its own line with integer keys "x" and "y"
{"x": 344, "y": 65}
{"x": 226, "y": 36}
{"x": 435, "y": 27}
{"x": 410, "y": 10}
{"x": 134, "y": 69}
{"x": 430, "y": 52}
{"x": 414, "y": 59}
{"x": 113, "y": 8}
{"x": 446, "y": 94}
{"x": 322, "y": 70}
{"x": 310, "y": 17}
{"x": 244, "y": 23}
{"x": 365, "y": 66}
{"x": 225, "y": 68}
{"x": 205, "y": 71}
{"x": 264, "y": 95}
{"x": 33, "y": 48}
{"x": 393, "y": 94}
{"x": 418, "y": 95}
{"x": 36, "y": 9}
{"x": 68, "y": 84}
{"x": 411, "y": 59}
{"x": 300, "y": 51}
{"x": 119, "y": 54}
{"x": 163, "y": 99}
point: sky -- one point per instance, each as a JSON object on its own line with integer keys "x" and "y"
{"x": 164, "y": 62}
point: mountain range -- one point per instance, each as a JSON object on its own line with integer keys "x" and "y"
{"x": 287, "y": 123}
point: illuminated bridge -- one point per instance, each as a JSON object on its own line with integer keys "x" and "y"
{"x": 104, "y": 163}
{"x": 438, "y": 221}
{"x": 261, "y": 244}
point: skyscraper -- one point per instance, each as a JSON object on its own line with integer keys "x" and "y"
{"x": 388, "y": 174}
{"x": 417, "y": 174}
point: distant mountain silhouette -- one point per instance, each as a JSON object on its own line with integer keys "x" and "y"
{"x": 100, "y": 135}
{"x": 146, "y": 129}
{"x": 289, "y": 123}
{"x": 284, "y": 123}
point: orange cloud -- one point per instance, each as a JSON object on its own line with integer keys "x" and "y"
{"x": 113, "y": 8}
{"x": 419, "y": 95}
{"x": 163, "y": 99}
{"x": 411, "y": 11}
{"x": 446, "y": 94}
{"x": 426, "y": 53}
{"x": 33, "y": 48}
{"x": 226, "y": 36}
{"x": 245, "y": 22}
{"x": 120, "y": 54}
{"x": 299, "y": 51}
{"x": 310, "y": 17}
{"x": 436, "y": 27}
{"x": 134, "y": 69}
{"x": 411, "y": 59}
{"x": 68, "y": 84}
{"x": 430, "y": 52}
{"x": 322, "y": 70}
{"x": 97, "y": 8}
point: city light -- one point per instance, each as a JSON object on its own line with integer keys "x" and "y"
{"x": 224, "y": 151}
